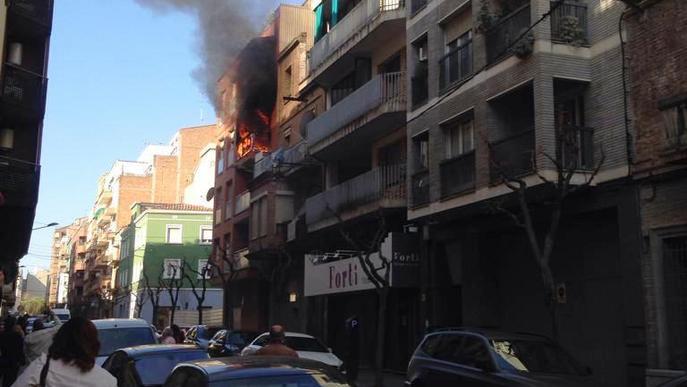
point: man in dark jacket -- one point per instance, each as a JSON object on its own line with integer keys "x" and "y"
{"x": 11, "y": 352}
{"x": 275, "y": 346}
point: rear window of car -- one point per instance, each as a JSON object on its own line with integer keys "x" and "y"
{"x": 305, "y": 344}
{"x": 312, "y": 380}
{"x": 113, "y": 339}
{"x": 153, "y": 370}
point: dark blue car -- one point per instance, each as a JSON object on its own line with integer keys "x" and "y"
{"x": 255, "y": 371}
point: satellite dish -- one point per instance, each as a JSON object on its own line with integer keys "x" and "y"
{"x": 211, "y": 194}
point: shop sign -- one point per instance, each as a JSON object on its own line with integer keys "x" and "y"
{"x": 341, "y": 271}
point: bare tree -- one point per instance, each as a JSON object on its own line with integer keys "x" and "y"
{"x": 378, "y": 273}
{"x": 223, "y": 266}
{"x": 140, "y": 301}
{"x": 569, "y": 179}
{"x": 199, "y": 289}
{"x": 173, "y": 286}
{"x": 153, "y": 293}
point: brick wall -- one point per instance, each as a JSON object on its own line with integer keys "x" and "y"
{"x": 657, "y": 52}
{"x": 191, "y": 142}
{"x": 132, "y": 189}
{"x": 164, "y": 180}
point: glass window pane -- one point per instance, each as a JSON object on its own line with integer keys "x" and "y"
{"x": 153, "y": 370}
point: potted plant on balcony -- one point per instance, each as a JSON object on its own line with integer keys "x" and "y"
{"x": 524, "y": 46}
{"x": 570, "y": 31}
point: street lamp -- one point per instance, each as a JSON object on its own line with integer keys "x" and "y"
{"x": 46, "y": 226}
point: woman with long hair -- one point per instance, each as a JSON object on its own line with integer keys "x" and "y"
{"x": 179, "y": 336}
{"x": 70, "y": 360}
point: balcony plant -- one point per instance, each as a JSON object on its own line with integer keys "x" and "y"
{"x": 524, "y": 46}
{"x": 571, "y": 32}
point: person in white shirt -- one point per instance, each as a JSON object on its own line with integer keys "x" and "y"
{"x": 70, "y": 361}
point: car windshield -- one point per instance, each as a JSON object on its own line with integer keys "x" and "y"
{"x": 305, "y": 344}
{"x": 154, "y": 369}
{"x": 313, "y": 380}
{"x": 207, "y": 333}
{"x": 535, "y": 356}
{"x": 63, "y": 317}
{"x": 116, "y": 338}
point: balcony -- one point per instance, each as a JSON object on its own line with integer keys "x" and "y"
{"x": 420, "y": 188}
{"x": 263, "y": 165}
{"x": 455, "y": 67}
{"x": 505, "y": 33}
{"x": 39, "y": 11}
{"x": 370, "y": 112}
{"x": 417, "y": 5}
{"x": 569, "y": 22}
{"x": 575, "y": 148}
{"x": 19, "y": 183}
{"x": 382, "y": 187}
{"x": 458, "y": 174}
{"x": 512, "y": 156}
{"x": 242, "y": 203}
{"x": 105, "y": 198}
{"x": 24, "y": 92}
{"x": 366, "y": 26}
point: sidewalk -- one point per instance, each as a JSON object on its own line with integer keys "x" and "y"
{"x": 366, "y": 378}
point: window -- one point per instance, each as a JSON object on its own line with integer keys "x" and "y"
{"x": 674, "y": 111}
{"x": 220, "y": 160}
{"x": 287, "y": 136}
{"x": 173, "y": 233}
{"x": 459, "y": 138}
{"x": 674, "y": 259}
{"x": 172, "y": 269}
{"x": 258, "y": 218}
{"x": 421, "y": 151}
{"x": 204, "y": 268}
{"x": 419, "y": 84}
{"x": 205, "y": 235}
{"x": 460, "y": 349}
{"x": 287, "y": 83}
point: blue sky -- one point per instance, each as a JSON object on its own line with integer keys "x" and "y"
{"x": 119, "y": 78}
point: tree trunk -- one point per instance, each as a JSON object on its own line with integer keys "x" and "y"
{"x": 171, "y": 314}
{"x": 383, "y": 294}
{"x": 200, "y": 313}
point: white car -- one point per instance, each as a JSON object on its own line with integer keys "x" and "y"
{"x": 116, "y": 333}
{"x": 63, "y": 314}
{"x": 307, "y": 347}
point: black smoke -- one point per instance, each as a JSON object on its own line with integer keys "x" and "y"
{"x": 224, "y": 28}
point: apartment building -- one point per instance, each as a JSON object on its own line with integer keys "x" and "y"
{"x": 252, "y": 208}
{"x": 25, "y": 28}
{"x": 65, "y": 241}
{"x": 161, "y": 174}
{"x": 655, "y": 51}
{"x": 496, "y": 87}
{"x": 165, "y": 246}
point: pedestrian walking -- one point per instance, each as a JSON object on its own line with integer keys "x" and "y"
{"x": 70, "y": 360}
{"x": 11, "y": 352}
{"x": 275, "y": 345}
{"x": 179, "y": 336}
{"x": 38, "y": 343}
{"x": 167, "y": 336}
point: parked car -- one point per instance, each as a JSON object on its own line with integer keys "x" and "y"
{"x": 119, "y": 333}
{"x": 149, "y": 365}
{"x": 63, "y": 314}
{"x": 307, "y": 347}
{"x": 454, "y": 357}
{"x": 229, "y": 343}
{"x": 254, "y": 371}
{"x": 200, "y": 335}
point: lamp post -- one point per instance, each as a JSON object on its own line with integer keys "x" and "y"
{"x": 46, "y": 226}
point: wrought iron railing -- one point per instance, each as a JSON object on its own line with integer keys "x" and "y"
{"x": 458, "y": 174}
{"x": 575, "y": 147}
{"x": 387, "y": 182}
{"x": 504, "y": 34}
{"x": 512, "y": 156}
{"x": 456, "y": 66}
{"x": 19, "y": 182}
{"x": 38, "y": 10}
{"x": 569, "y": 22}
{"x": 23, "y": 88}
{"x": 420, "y": 188}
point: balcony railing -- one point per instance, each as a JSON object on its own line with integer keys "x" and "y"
{"x": 349, "y": 27}
{"x": 381, "y": 183}
{"x": 384, "y": 90}
{"x": 456, "y": 66}
{"x": 417, "y": 5}
{"x": 569, "y": 22}
{"x": 263, "y": 165}
{"x": 420, "y": 188}
{"x": 242, "y": 203}
{"x": 575, "y": 147}
{"x": 458, "y": 174}
{"x": 38, "y": 10}
{"x": 23, "y": 88}
{"x": 19, "y": 182}
{"x": 512, "y": 156}
{"x": 500, "y": 37}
